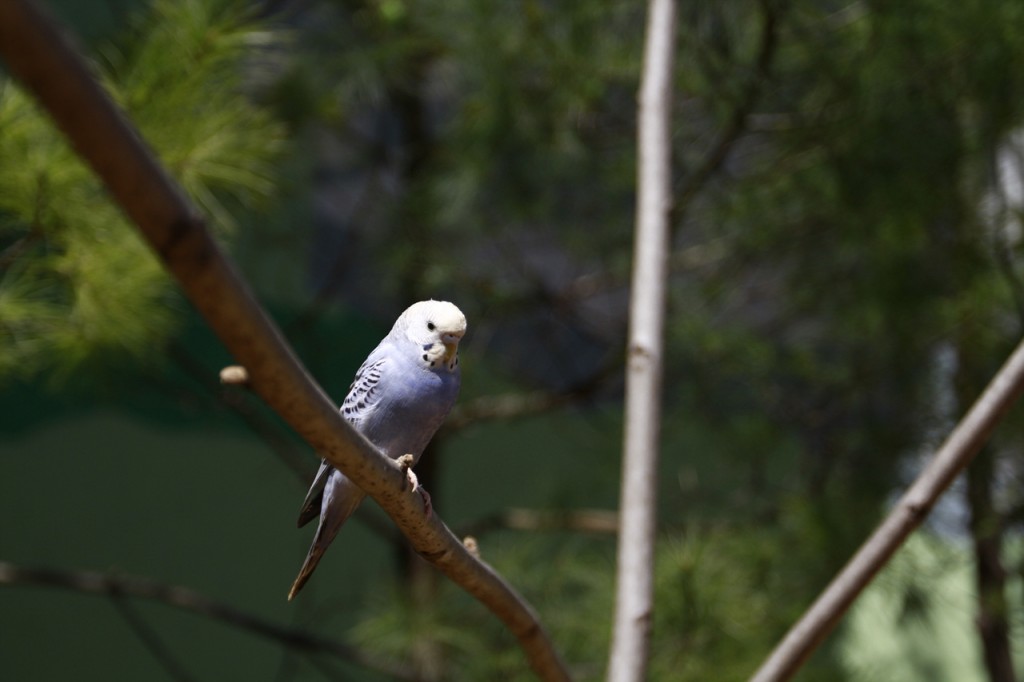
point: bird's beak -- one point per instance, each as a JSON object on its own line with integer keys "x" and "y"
{"x": 451, "y": 345}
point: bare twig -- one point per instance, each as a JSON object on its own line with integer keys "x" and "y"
{"x": 241, "y": 404}
{"x": 504, "y": 406}
{"x": 579, "y": 520}
{"x": 634, "y": 578}
{"x": 680, "y": 261}
{"x": 516, "y": 405}
{"x": 955, "y": 454}
{"x": 597, "y": 521}
{"x": 13, "y": 252}
{"x": 42, "y": 58}
{"x": 120, "y": 586}
{"x": 694, "y": 181}
{"x": 35, "y": 233}
{"x": 151, "y": 640}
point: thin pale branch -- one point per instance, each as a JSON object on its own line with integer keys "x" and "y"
{"x": 634, "y": 592}
{"x": 122, "y": 586}
{"x": 953, "y": 457}
{"x": 41, "y": 56}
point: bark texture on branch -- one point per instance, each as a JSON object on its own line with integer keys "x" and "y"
{"x": 635, "y": 570}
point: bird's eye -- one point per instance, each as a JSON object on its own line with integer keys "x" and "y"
{"x": 431, "y": 326}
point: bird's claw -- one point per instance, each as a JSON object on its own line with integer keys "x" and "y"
{"x": 405, "y": 462}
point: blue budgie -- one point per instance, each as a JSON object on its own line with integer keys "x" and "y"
{"x": 400, "y": 396}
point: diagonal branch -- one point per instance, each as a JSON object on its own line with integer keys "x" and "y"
{"x": 41, "y": 56}
{"x": 953, "y": 457}
{"x": 121, "y": 586}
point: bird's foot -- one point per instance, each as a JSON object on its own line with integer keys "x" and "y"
{"x": 405, "y": 462}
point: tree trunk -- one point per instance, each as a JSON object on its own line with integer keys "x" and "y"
{"x": 990, "y": 576}
{"x": 985, "y": 527}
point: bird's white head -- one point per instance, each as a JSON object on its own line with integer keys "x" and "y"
{"x": 436, "y": 327}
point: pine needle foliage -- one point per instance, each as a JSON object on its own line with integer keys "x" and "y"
{"x": 77, "y": 285}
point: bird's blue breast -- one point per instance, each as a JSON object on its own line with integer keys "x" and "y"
{"x": 411, "y": 410}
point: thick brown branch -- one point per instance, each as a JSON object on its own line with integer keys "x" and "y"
{"x": 120, "y": 586}
{"x": 955, "y": 454}
{"x": 43, "y": 59}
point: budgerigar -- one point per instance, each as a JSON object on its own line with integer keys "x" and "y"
{"x": 400, "y": 396}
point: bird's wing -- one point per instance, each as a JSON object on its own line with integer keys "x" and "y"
{"x": 362, "y": 396}
{"x": 366, "y": 390}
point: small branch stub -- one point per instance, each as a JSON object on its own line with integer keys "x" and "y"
{"x": 234, "y": 375}
{"x": 639, "y": 356}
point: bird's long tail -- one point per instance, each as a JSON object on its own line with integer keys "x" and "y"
{"x": 341, "y": 498}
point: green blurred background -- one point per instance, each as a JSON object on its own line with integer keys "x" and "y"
{"x": 846, "y": 275}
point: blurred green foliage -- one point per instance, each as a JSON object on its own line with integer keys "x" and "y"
{"x": 77, "y": 282}
{"x": 846, "y": 275}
